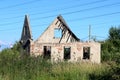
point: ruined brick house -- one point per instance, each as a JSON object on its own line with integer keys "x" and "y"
{"x": 59, "y": 43}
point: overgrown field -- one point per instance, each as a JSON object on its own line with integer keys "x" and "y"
{"x": 14, "y": 67}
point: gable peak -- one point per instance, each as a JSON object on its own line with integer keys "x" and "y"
{"x": 26, "y": 32}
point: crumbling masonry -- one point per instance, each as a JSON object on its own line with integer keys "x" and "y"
{"x": 59, "y": 43}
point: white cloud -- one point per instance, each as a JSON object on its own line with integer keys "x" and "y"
{"x": 2, "y": 43}
{"x": 5, "y": 43}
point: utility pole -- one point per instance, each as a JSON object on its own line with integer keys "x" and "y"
{"x": 89, "y": 32}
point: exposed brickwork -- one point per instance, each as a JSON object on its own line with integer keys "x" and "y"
{"x": 67, "y": 47}
{"x": 57, "y": 51}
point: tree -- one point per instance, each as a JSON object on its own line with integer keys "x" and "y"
{"x": 114, "y": 33}
{"x": 111, "y": 47}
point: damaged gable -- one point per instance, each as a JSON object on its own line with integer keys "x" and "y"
{"x": 59, "y": 43}
{"x": 26, "y": 35}
{"x": 58, "y": 32}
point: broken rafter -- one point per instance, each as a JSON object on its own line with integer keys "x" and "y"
{"x": 65, "y": 25}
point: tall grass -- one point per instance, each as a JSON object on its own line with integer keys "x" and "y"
{"x": 29, "y": 68}
{"x": 77, "y": 71}
{"x": 13, "y": 67}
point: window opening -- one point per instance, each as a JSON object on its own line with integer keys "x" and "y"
{"x": 67, "y": 51}
{"x": 57, "y": 33}
{"x": 47, "y": 52}
{"x": 86, "y": 52}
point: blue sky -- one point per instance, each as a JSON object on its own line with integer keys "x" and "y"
{"x": 79, "y": 14}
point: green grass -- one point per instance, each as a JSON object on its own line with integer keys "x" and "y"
{"x": 40, "y": 69}
{"x": 14, "y": 67}
{"x": 77, "y": 71}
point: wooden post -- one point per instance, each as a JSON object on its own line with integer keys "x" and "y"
{"x": 89, "y": 32}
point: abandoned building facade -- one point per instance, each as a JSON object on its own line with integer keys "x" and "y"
{"x": 59, "y": 43}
